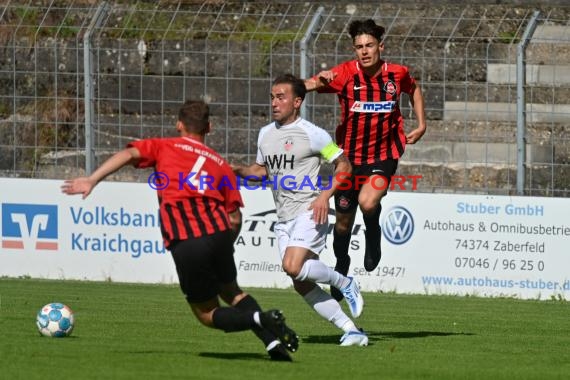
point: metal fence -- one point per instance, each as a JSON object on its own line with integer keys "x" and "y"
{"x": 79, "y": 79}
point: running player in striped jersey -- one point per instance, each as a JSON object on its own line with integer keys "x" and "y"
{"x": 200, "y": 218}
{"x": 371, "y": 132}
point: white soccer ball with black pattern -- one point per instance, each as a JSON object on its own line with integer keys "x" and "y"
{"x": 55, "y": 320}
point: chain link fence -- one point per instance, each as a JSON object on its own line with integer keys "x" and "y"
{"x": 79, "y": 79}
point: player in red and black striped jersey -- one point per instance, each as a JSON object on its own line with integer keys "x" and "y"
{"x": 200, "y": 218}
{"x": 371, "y": 132}
{"x": 196, "y": 202}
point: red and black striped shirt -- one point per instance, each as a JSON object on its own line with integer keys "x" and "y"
{"x": 200, "y": 188}
{"x": 371, "y": 127}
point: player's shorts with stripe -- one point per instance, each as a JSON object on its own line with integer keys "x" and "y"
{"x": 203, "y": 264}
{"x": 302, "y": 231}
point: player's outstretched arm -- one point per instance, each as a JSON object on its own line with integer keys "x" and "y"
{"x": 84, "y": 185}
{"x": 254, "y": 170}
{"x": 320, "y": 80}
{"x": 417, "y": 100}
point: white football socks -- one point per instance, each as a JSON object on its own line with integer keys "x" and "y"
{"x": 328, "y": 308}
{"x": 317, "y": 271}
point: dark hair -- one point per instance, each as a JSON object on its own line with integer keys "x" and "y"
{"x": 358, "y": 27}
{"x": 298, "y": 85}
{"x": 195, "y": 115}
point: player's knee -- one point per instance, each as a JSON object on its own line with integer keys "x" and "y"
{"x": 342, "y": 225}
{"x": 369, "y": 206}
{"x": 342, "y": 229}
{"x": 291, "y": 269}
{"x": 205, "y": 319}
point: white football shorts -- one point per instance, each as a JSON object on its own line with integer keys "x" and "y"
{"x": 301, "y": 232}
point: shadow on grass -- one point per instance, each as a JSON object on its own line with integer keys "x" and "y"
{"x": 321, "y": 339}
{"x": 374, "y": 336}
{"x": 412, "y": 334}
{"x": 155, "y": 352}
{"x": 234, "y": 355}
{"x": 215, "y": 355}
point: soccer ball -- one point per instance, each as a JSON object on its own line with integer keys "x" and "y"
{"x": 55, "y": 320}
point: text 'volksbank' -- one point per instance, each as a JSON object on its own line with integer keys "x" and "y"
{"x": 101, "y": 237}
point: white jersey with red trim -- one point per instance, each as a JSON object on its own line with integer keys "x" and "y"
{"x": 292, "y": 156}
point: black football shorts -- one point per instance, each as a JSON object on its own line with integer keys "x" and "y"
{"x": 203, "y": 264}
{"x": 346, "y": 200}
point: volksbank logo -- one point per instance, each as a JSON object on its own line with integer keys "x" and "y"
{"x": 374, "y": 107}
{"x": 398, "y": 225}
{"x": 29, "y": 226}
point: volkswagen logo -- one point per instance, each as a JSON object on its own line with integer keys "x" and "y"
{"x": 398, "y": 225}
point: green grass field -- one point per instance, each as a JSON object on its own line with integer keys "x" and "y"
{"x": 133, "y": 331}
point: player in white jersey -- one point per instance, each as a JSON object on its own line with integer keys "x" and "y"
{"x": 289, "y": 152}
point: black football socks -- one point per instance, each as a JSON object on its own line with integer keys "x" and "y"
{"x": 372, "y": 234}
